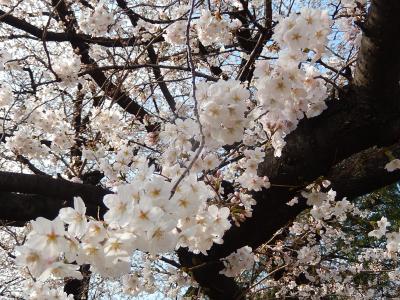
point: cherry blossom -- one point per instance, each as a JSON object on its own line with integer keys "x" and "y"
{"x": 75, "y": 218}
{"x": 393, "y": 165}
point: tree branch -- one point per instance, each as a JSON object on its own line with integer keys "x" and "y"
{"x": 378, "y": 64}
{"x": 63, "y": 36}
{"x": 160, "y": 78}
{"x": 111, "y": 90}
{"x": 40, "y": 195}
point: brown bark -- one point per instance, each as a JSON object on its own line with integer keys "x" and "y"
{"x": 63, "y": 36}
{"x": 378, "y": 64}
{"x": 24, "y": 197}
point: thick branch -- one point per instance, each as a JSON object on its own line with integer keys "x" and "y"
{"x": 378, "y": 64}
{"x": 48, "y": 186}
{"x": 43, "y": 196}
{"x": 160, "y": 78}
{"x": 62, "y": 36}
{"x": 216, "y": 286}
{"x": 18, "y": 209}
{"x": 364, "y": 172}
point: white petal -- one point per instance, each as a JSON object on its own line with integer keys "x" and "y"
{"x": 79, "y": 205}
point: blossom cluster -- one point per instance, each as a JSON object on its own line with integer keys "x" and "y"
{"x": 392, "y": 238}
{"x": 6, "y": 97}
{"x": 49, "y": 126}
{"x": 39, "y": 291}
{"x": 210, "y": 29}
{"x": 22, "y": 142}
{"x": 352, "y": 11}
{"x": 67, "y": 67}
{"x": 285, "y": 92}
{"x": 175, "y": 34}
{"x": 249, "y": 178}
{"x": 303, "y": 32}
{"x": 98, "y": 22}
{"x": 284, "y": 96}
{"x": 141, "y": 216}
{"x": 238, "y": 261}
{"x": 393, "y": 165}
{"x": 381, "y": 230}
{"x": 159, "y": 222}
{"x": 5, "y": 56}
{"x": 352, "y": 4}
{"x": 145, "y": 281}
{"x": 324, "y": 204}
{"x": 213, "y": 29}
{"x": 222, "y": 111}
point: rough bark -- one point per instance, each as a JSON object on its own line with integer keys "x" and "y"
{"x": 378, "y": 63}
{"x": 24, "y": 196}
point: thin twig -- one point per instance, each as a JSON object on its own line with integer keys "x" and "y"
{"x": 196, "y": 109}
